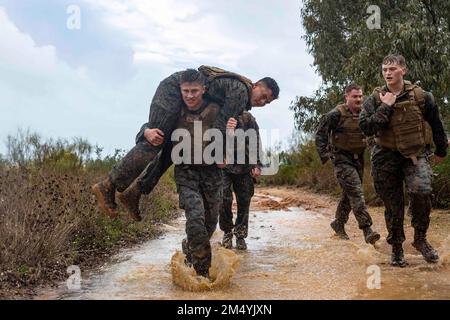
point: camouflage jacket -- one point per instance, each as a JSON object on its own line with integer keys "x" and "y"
{"x": 374, "y": 117}
{"x": 328, "y": 123}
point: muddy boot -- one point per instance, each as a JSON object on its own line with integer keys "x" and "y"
{"x": 203, "y": 273}
{"x": 130, "y": 199}
{"x": 185, "y": 249}
{"x": 424, "y": 247}
{"x": 339, "y": 229}
{"x": 105, "y": 192}
{"x": 370, "y": 236}
{"x": 397, "y": 258}
{"x": 227, "y": 241}
{"x": 202, "y": 270}
{"x": 240, "y": 244}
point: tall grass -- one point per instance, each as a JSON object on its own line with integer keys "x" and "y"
{"x": 48, "y": 216}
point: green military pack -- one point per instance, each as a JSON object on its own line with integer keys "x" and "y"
{"x": 348, "y": 136}
{"x": 408, "y": 132}
{"x": 212, "y": 73}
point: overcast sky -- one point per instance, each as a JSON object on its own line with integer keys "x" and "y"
{"x": 97, "y": 82}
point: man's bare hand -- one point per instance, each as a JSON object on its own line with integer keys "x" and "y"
{"x": 154, "y": 136}
{"x": 231, "y": 125}
{"x": 388, "y": 98}
{"x": 256, "y": 172}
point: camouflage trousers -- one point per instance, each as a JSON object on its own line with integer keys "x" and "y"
{"x": 155, "y": 169}
{"x": 200, "y": 192}
{"x": 390, "y": 171}
{"x": 164, "y": 113}
{"x": 243, "y": 187}
{"x": 350, "y": 177}
{"x": 132, "y": 165}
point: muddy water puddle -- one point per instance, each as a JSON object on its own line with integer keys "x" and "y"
{"x": 292, "y": 254}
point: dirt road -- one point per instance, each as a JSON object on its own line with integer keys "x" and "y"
{"x": 292, "y": 254}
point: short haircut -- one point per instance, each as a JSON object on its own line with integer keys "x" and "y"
{"x": 272, "y": 85}
{"x": 351, "y": 87}
{"x": 192, "y": 75}
{"x": 395, "y": 59}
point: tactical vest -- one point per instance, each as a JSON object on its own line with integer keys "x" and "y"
{"x": 187, "y": 120}
{"x": 212, "y": 73}
{"x": 408, "y": 132}
{"x": 348, "y": 135}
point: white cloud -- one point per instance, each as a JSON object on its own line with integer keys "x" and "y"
{"x": 43, "y": 93}
{"x": 175, "y": 32}
{"x": 39, "y": 90}
{"x": 20, "y": 50}
{"x": 163, "y": 34}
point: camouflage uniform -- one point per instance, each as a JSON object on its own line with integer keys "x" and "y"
{"x": 229, "y": 93}
{"x": 348, "y": 169}
{"x": 390, "y": 168}
{"x": 200, "y": 191}
{"x": 200, "y": 194}
{"x": 164, "y": 113}
{"x": 142, "y": 167}
{"x": 237, "y": 178}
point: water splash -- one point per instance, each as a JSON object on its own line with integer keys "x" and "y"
{"x": 291, "y": 255}
{"x": 223, "y": 266}
{"x": 369, "y": 254}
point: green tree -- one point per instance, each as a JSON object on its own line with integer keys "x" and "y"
{"x": 346, "y": 48}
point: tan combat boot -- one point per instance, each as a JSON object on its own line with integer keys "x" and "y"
{"x": 338, "y": 227}
{"x": 241, "y": 244}
{"x": 130, "y": 199}
{"x": 424, "y": 247}
{"x": 227, "y": 241}
{"x": 105, "y": 194}
{"x": 398, "y": 258}
{"x": 371, "y": 236}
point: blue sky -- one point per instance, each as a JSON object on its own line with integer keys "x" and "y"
{"x": 97, "y": 82}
